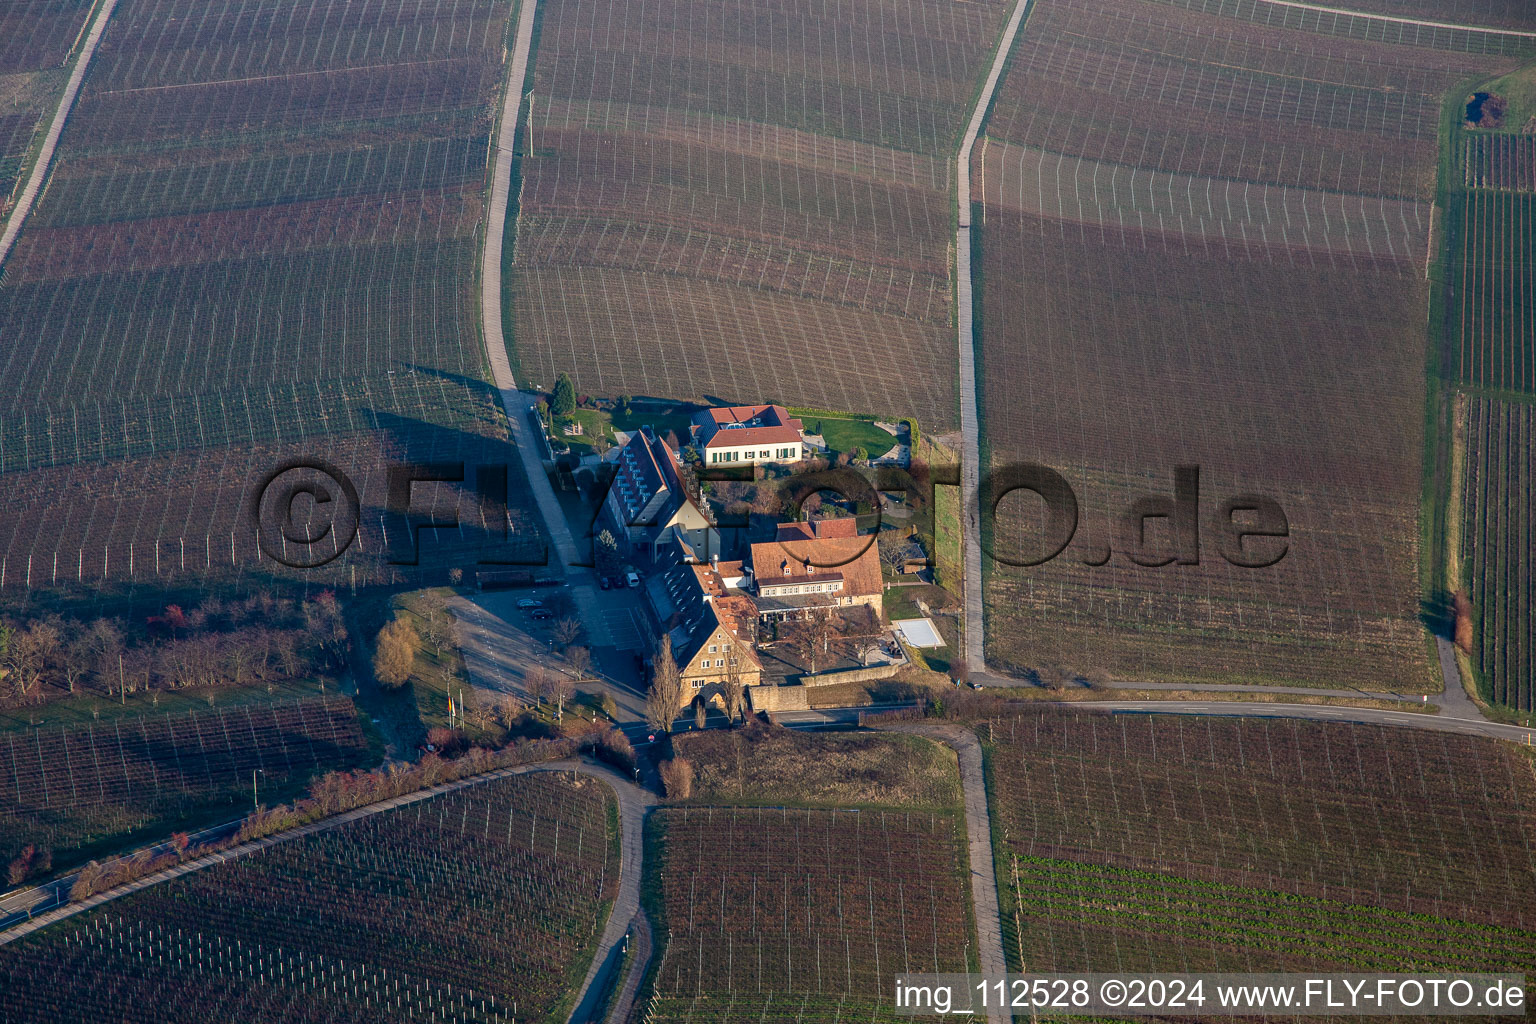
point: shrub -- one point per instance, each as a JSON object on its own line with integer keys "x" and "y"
{"x": 1463, "y": 622}
{"x": 447, "y": 742}
{"x": 612, "y": 747}
{"x": 677, "y": 778}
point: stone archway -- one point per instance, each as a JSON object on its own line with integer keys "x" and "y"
{"x": 709, "y": 694}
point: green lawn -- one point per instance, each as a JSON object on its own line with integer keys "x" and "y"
{"x": 1519, "y": 88}
{"x": 844, "y": 435}
{"x": 602, "y": 423}
{"x": 677, "y": 418}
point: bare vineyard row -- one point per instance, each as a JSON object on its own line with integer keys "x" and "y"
{"x": 1503, "y": 162}
{"x": 829, "y": 903}
{"x": 1493, "y": 297}
{"x": 246, "y": 415}
{"x": 160, "y": 490}
{"x": 1086, "y": 917}
{"x": 473, "y": 906}
{"x": 731, "y": 200}
{"x": 1320, "y": 811}
{"x": 1499, "y": 545}
{"x": 143, "y": 759}
{"x": 63, "y": 788}
{"x": 1226, "y": 99}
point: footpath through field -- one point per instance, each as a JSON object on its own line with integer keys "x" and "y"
{"x": 970, "y": 421}
{"x": 1396, "y": 19}
{"x": 39, "y": 173}
{"x": 517, "y": 405}
{"x": 978, "y": 832}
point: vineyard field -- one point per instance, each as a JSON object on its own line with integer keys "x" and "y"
{"x": 1203, "y": 240}
{"x": 258, "y": 243}
{"x": 1145, "y": 842}
{"x": 731, "y": 200}
{"x": 126, "y": 490}
{"x": 773, "y": 913}
{"x": 479, "y": 905}
{"x": 79, "y": 787}
{"x": 1456, "y": 25}
{"x": 1498, "y": 546}
{"x": 1503, "y": 162}
{"x": 1492, "y": 302}
{"x": 320, "y": 176}
{"x": 35, "y": 40}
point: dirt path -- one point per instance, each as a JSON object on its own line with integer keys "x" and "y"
{"x": 978, "y": 831}
{"x": 39, "y": 174}
{"x": 1398, "y": 20}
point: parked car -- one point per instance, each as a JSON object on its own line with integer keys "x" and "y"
{"x": 542, "y": 613}
{"x": 605, "y": 583}
{"x": 529, "y": 602}
{"x": 633, "y": 579}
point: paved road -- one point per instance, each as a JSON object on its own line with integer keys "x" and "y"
{"x": 26, "y": 904}
{"x": 978, "y": 832}
{"x": 1246, "y": 709}
{"x": 39, "y": 174}
{"x": 970, "y": 420}
{"x": 1351, "y": 693}
{"x": 840, "y": 717}
{"x": 1454, "y": 701}
{"x": 634, "y": 804}
{"x": 517, "y": 404}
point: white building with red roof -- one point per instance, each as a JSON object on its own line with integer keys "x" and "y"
{"x": 748, "y": 435}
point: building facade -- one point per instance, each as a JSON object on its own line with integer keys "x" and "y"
{"x": 748, "y": 435}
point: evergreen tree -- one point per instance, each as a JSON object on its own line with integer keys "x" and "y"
{"x": 564, "y": 402}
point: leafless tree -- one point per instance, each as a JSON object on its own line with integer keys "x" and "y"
{"x": 562, "y": 690}
{"x": 79, "y": 656}
{"x": 865, "y": 645}
{"x": 735, "y": 689}
{"x": 508, "y": 708}
{"x": 580, "y": 660}
{"x": 812, "y": 635}
{"x": 536, "y": 682}
{"x": 665, "y": 698}
{"x": 566, "y": 631}
{"x": 437, "y": 628}
{"x": 30, "y": 654}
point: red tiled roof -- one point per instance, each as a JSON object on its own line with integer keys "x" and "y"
{"x": 740, "y": 425}
{"x": 845, "y": 526}
{"x": 854, "y": 558}
{"x": 794, "y": 531}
